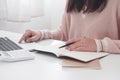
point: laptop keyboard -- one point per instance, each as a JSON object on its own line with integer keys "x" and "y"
{"x": 7, "y": 45}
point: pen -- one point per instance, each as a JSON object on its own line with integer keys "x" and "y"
{"x": 67, "y": 44}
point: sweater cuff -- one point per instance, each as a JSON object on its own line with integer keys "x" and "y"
{"x": 99, "y": 45}
{"x": 46, "y": 34}
{"x": 105, "y": 44}
{"x": 42, "y": 35}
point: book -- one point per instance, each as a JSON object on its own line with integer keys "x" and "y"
{"x": 52, "y": 47}
{"x": 70, "y": 63}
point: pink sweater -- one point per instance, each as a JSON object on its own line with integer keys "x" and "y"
{"x": 104, "y": 26}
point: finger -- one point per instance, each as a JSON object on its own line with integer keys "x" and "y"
{"x": 77, "y": 44}
{"x": 32, "y": 39}
{"x": 83, "y": 48}
{"x": 72, "y": 40}
{"x": 72, "y": 46}
{"x": 80, "y": 49}
{"x": 25, "y": 36}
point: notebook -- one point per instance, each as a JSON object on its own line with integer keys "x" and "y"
{"x": 70, "y": 63}
{"x": 52, "y": 47}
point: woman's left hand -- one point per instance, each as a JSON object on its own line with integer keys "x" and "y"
{"x": 82, "y": 44}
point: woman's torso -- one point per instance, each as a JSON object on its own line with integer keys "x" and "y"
{"x": 95, "y": 25}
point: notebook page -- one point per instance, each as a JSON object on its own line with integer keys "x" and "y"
{"x": 53, "y": 47}
{"x": 83, "y": 56}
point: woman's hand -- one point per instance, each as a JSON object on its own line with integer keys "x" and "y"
{"x": 30, "y": 36}
{"x": 82, "y": 44}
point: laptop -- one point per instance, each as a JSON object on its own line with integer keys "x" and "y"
{"x": 10, "y": 51}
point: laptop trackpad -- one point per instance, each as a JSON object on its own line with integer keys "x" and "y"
{"x": 17, "y": 55}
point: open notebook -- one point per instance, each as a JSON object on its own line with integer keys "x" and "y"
{"x": 52, "y": 47}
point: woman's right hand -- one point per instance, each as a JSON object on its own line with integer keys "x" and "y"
{"x": 31, "y": 36}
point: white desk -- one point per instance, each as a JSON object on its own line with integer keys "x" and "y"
{"x": 46, "y": 67}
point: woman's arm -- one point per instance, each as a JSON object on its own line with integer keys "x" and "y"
{"x": 94, "y": 45}
{"x": 111, "y": 46}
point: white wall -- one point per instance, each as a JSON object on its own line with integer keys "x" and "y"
{"x": 57, "y": 10}
{"x": 53, "y": 10}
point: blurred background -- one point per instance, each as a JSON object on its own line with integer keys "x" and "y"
{"x": 20, "y": 15}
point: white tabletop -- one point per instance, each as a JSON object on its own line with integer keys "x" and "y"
{"x": 46, "y": 67}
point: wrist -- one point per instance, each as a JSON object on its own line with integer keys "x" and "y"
{"x": 41, "y": 35}
{"x": 99, "y": 45}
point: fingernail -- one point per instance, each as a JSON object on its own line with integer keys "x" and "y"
{"x": 66, "y": 47}
{"x": 27, "y": 41}
{"x": 69, "y": 49}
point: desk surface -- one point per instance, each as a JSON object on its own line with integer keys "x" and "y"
{"x": 46, "y": 67}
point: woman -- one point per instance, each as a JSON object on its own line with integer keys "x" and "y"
{"x": 93, "y": 25}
